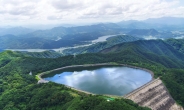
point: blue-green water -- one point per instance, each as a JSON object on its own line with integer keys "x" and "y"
{"x": 104, "y": 80}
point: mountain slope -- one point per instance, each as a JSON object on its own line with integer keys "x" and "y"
{"x": 178, "y": 44}
{"x": 58, "y": 37}
{"x": 144, "y": 32}
{"x": 45, "y": 54}
{"x": 151, "y": 34}
{"x": 155, "y": 50}
{"x": 15, "y": 31}
{"x": 75, "y": 39}
{"x": 24, "y": 93}
{"x": 59, "y": 32}
{"x": 101, "y": 45}
{"x": 14, "y": 42}
{"x": 163, "y": 23}
{"x": 19, "y": 90}
{"x": 166, "y": 20}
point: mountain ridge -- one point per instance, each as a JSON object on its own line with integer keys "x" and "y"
{"x": 156, "y": 50}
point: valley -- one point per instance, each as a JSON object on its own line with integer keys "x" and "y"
{"x": 149, "y": 46}
{"x": 91, "y": 55}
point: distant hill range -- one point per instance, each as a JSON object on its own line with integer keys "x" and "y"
{"x": 150, "y": 34}
{"x": 58, "y": 37}
{"x": 24, "y": 38}
{"x": 163, "y": 23}
{"x": 14, "y": 42}
{"x": 101, "y": 45}
{"x": 166, "y": 21}
{"x": 146, "y": 32}
{"x": 45, "y": 54}
{"x": 59, "y": 32}
{"x": 178, "y": 44}
{"x": 15, "y": 31}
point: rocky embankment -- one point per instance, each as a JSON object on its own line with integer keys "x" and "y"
{"x": 154, "y": 95}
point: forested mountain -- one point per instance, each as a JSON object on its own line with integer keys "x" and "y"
{"x": 101, "y": 45}
{"x": 44, "y": 54}
{"x": 178, "y": 44}
{"x": 166, "y": 20}
{"x": 21, "y": 88}
{"x": 58, "y": 37}
{"x": 91, "y": 54}
{"x": 76, "y": 39}
{"x": 151, "y": 34}
{"x": 163, "y": 24}
{"x": 71, "y": 36}
{"x": 145, "y": 32}
{"x": 134, "y": 24}
{"x": 155, "y": 50}
{"x": 59, "y": 32}
{"x": 14, "y": 42}
{"x": 15, "y": 31}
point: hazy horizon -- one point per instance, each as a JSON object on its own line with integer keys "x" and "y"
{"x": 58, "y": 12}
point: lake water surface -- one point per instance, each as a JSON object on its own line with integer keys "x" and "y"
{"x": 103, "y": 80}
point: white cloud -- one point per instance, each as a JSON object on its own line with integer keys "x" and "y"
{"x": 58, "y": 11}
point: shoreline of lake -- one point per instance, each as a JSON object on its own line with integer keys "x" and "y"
{"x": 93, "y": 65}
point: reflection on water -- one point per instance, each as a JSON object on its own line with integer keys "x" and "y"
{"x": 106, "y": 80}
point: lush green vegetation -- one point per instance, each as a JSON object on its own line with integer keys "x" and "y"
{"x": 101, "y": 45}
{"x": 178, "y": 44}
{"x": 152, "y": 50}
{"x": 171, "y": 69}
{"x": 19, "y": 90}
{"x": 44, "y": 54}
{"x": 174, "y": 81}
{"x": 58, "y": 37}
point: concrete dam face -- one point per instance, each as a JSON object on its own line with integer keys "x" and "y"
{"x": 154, "y": 95}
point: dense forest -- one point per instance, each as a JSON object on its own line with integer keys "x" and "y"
{"x": 111, "y": 41}
{"x": 19, "y": 90}
{"x": 58, "y": 37}
{"x": 178, "y": 44}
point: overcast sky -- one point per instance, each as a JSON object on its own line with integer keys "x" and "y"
{"x": 21, "y": 12}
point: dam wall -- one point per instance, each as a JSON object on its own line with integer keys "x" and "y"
{"x": 154, "y": 95}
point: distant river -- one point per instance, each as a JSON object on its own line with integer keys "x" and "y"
{"x": 100, "y": 39}
{"x": 102, "y": 80}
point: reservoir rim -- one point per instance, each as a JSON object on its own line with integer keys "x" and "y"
{"x": 41, "y": 80}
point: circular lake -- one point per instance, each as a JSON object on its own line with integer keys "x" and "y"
{"x": 102, "y": 80}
